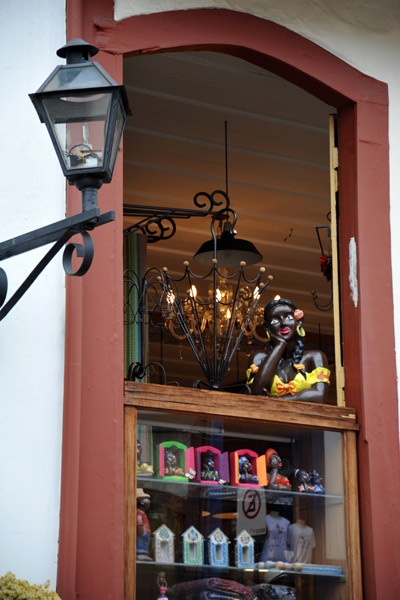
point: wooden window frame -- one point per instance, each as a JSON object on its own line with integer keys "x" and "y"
{"x": 236, "y": 406}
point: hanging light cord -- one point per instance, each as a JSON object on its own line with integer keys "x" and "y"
{"x": 226, "y": 157}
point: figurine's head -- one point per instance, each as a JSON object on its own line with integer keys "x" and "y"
{"x": 142, "y": 499}
{"x": 302, "y": 476}
{"x": 245, "y": 465}
{"x": 273, "y": 459}
{"x": 283, "y": 319}
{"x": 282, "y": 316}
{"x": 208, "y": 461}
{"x": 170, "y": 458}
{"x": 315, "y": 478}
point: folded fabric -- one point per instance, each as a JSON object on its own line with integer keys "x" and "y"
{"x": 206, "y": 595}
{"x": 269, "y": 591}
{"x": 179, "y": 591}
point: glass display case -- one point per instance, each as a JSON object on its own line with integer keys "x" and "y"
{"x": 232, "y": 508}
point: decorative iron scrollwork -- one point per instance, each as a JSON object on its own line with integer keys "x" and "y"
{"x": 158, "y": 223}
{"x": 84, "y": 251}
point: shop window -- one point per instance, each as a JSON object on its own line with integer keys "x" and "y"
{"x": 279, "y": 183}
{"x": 260, "y": 509}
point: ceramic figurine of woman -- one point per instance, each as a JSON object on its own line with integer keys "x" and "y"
{"x": 303, "y": 481}
{"x": 208, "y": 468}
{"x": 276, "y": 481}
{"x": 246, "y": 471}
{"x": 316, "y": 481}
{"x": 142, "y": 525}
{"x": 286, "y": 370}
{"x": 171, "y": 465}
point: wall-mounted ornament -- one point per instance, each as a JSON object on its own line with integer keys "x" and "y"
{"x": 218, "y": 548}
{"x": 193, "y": 550}
{"x": 164, "y": 545}
{"x": 247, "y": 469}
{"x": 244, "y": 550}
{"x": 175, "y": 461}
{"x": 212, "y": 466}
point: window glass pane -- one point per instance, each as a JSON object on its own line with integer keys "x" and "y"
{"x": 238, "y": 509}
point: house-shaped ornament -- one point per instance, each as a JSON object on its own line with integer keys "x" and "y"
{"x": 218, "y": 548}
{"x": 244, "y": 550}
{"x": 193, "y": 552}
{"x": 164, "y": 550}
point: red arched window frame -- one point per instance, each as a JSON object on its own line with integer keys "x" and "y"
{"x": 91, "y": 557}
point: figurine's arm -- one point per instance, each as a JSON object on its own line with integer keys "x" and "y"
{"x": 317, "y": 393}
{"x": 267, "y": 369}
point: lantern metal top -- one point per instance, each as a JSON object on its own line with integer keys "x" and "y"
{"x": 76, "y": 51}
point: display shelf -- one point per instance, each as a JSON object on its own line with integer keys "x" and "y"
{"x": 334, "y": 571}
{"x": 202, "y": 490}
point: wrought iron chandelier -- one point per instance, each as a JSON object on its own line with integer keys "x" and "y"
{"x": 214, "y": 326}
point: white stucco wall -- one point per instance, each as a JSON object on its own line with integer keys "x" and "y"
{"x": 32, "y": 335}
{"x": 365, "y": 34}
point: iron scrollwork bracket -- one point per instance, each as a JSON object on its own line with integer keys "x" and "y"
{"x": 158, "y": 222}
{"x": 60, "y": 233}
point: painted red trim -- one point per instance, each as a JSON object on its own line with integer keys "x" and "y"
{"x": 91, "y": 561}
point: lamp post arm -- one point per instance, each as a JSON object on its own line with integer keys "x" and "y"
{"x": 60, "y": 233}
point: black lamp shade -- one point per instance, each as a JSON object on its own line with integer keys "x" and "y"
{"x": 84, "y": 111}
{"x": 230, "y": 251}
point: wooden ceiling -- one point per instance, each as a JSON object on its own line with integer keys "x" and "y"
{"x": 278, "y": 172}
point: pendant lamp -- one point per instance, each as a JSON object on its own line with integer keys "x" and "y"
{"x": 231, "y": 251}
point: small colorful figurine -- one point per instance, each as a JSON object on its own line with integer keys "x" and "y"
{"x": 142, "y": 467}
{"x": 162, "y": 584}
{"x": 171, "y": 467}
{"x": 142, "y": 525}
{"x": 303, "y": 481}
{"x": 275, "y": 480}
{"x": 246, "y": 471}
{"x": 208, "y": 469}
{"x": 316, "y": 482}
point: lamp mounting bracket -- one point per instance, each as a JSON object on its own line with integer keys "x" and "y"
{"x": 158, "y": 222}
{"x": 60, "y": 233}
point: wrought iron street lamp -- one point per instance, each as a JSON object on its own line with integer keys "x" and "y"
{"x": 84, "y": 111}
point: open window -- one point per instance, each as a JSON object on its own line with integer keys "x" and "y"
{"x": 276, "y": 165}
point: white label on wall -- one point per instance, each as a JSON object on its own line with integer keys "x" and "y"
{"x": 353, "y": 271}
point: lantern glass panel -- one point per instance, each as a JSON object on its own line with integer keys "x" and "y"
{"x": 79, "y": 77}
{"x": 79, "y": 125}
{"x": 119, "y": 127}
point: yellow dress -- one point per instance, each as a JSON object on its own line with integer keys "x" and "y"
{"x": 278, "y": 388}
{"x": 298, "y": 383}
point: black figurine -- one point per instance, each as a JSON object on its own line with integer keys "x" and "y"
{"x": 208, "y": 469}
